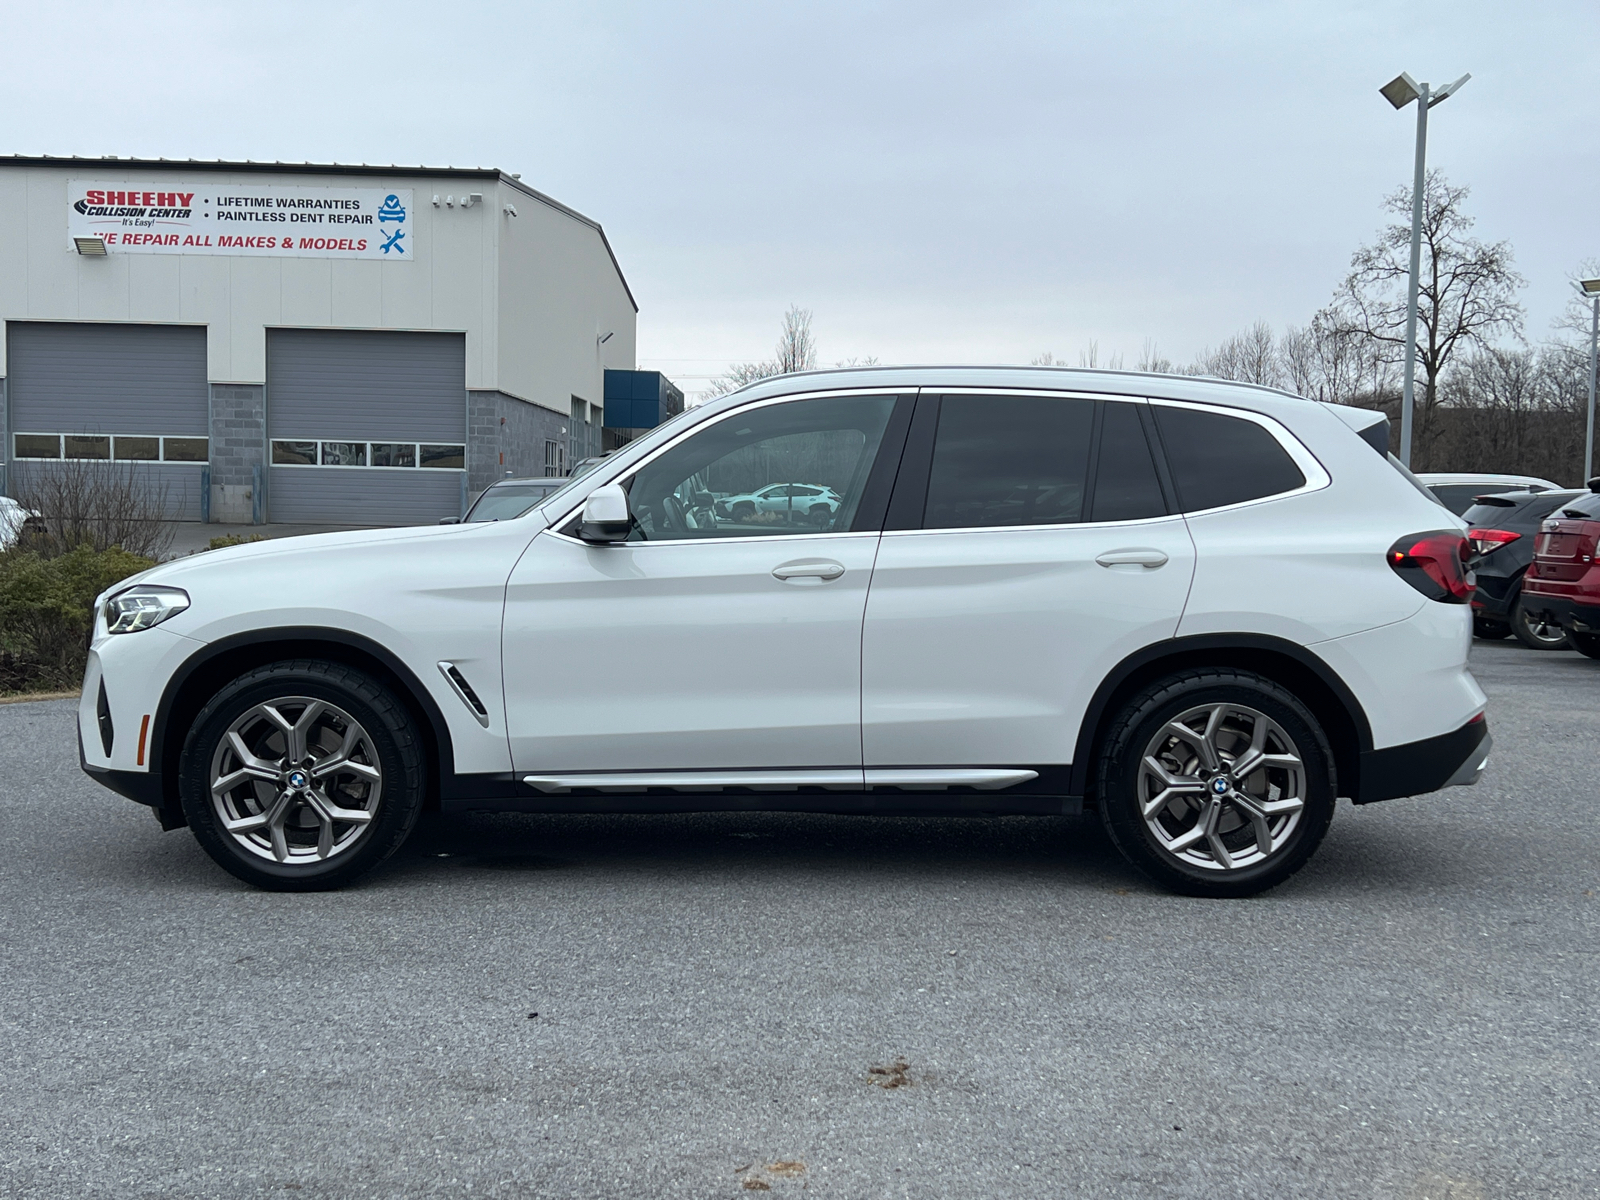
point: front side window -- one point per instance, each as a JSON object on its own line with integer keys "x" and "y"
{"x": 1009, "y": 460}
{"x": 1217, "y": 459}
{"x": 795, "y": 467}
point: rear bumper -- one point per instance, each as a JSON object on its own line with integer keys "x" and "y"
{"x": 1569, "y": 614}
{"x": 1415, "y": 768}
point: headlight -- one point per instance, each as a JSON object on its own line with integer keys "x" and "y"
{"x": 143, "y": 606}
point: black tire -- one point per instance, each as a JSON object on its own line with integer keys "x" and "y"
{"x": 394, "y": 744}
{"x": 1137, "y": 727}
{"x": 743, "y": 512}
{"x": 1490, "y": 630}
{"x": 1535, "y": 633}
{"x": 1586, "y": 644}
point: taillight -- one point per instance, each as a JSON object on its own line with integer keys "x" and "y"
{"x": 1435, "y": 564}
{"x": 1486, "y": 540}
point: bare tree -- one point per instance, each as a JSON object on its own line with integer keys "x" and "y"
{"x": 1152, "y": 360}
{"x": 1327, "y": 362}
{"x": 796, "y": 351}
{"x": 100, "y": 504}
{"x": 1249, "y": 357}
{"x": 1467, "y": 294}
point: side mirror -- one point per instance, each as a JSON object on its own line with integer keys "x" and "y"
{"x": 449, "y": 520}
{"x": 605, "y": 515}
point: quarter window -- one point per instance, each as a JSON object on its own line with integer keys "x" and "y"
{"x": 795, "y": 467}
{"x": 1009, "y": 460}
{"x": 1216, "y": 459}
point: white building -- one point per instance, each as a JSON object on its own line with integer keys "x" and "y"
{"x": 318, "y": 343}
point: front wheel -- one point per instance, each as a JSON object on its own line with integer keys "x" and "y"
{"x": 302, "y": 776}
{"x": 1216, "y": 783}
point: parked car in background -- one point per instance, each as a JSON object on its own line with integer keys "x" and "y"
{"x": 1503, "y": 529}
{"x": 1188, "y": 606}
{"x": 584, "y": 465}
{"x": 1457, "y": 491}
{"x": 1563, "y": 584}
{"x": 506, "y": 499}
{"x": 792, "y": 503}
{"x": 13, "y": 520}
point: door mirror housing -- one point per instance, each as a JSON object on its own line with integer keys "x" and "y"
{"x": 605, "y": 515}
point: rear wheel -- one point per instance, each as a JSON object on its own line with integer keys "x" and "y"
{"x": 1537, "y": 632}
{"x": 1586, "y": 644}
{"x": 1216, "y": 783}
{"x": 302, "y": 776}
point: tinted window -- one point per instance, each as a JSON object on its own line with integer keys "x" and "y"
{"x": 1523, "y": 514}
{"x": 1586, "y": 506}
{"x": 1217, "y": 459}
{"x": 1458, "y": 497}
{"x": 1008, "y": 460}
{"x": 739, "y": 477}
{"x": 1125, "y": 483}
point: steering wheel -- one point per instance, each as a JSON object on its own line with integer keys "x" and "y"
{"x": 672, "y": 514}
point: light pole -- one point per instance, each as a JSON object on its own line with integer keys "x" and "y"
{"x": 1401, "y": 91}
{"x": 1590, "y": 290}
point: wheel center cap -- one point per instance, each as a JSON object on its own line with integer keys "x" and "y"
{"x": 1219, "y": 786}
{"x": 298, "y": 779}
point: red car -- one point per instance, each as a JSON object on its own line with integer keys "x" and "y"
{"x": 1563, "y": 583}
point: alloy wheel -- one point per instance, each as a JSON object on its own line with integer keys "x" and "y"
{"x": 296, "y": 780}
{"x": 1221, "y": 787}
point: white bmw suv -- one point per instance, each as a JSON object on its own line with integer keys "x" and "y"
{"x": 1203, "y": 610}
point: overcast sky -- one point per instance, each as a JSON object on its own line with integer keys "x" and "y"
{"x": 938, "y": 182}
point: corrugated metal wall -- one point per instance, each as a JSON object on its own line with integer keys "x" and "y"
{"x": 365, "y": 386}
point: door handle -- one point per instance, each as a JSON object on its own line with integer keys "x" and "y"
{"x": 815, "y": 569}
{"x": 1139, "y": 557}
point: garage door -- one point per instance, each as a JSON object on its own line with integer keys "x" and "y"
{"x": 366, "y": 428}
{"x": 133, "y": 397}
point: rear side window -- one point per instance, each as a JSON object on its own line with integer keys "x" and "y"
{"x": 1216, "y": 459}
{"x": 1125, "y": 484}
{"x": 1009, "y": 460}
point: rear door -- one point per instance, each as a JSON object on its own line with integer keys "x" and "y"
{"x": 1030, "y": 546}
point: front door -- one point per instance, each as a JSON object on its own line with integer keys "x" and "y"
{"x": 1035, "y": 553}
{"x": 720, "y": 636}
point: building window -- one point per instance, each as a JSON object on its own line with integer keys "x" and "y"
{"x": 295, "y": 452}
{"x": 101, "y": 447}
{"x": 37, "y": 445}
{"x": 185, "y": 449}
{"x": 554, "y": 460}
{"x": 85, "y": 445}
{"x": 136, "y": 449}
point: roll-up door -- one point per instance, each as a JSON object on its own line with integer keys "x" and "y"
{"x": 366, "y": 427}
{"x": 132, "y": 396}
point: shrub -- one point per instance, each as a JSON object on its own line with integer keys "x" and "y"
{"x": 46, "y": 610}
{"x": 103, "y": 504}
{"x": 234, "y": 539}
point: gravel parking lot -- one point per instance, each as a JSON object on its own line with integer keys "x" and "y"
{"x": 840, "y": 1007}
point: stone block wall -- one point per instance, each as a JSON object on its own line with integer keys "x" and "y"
{"x": 497, "y": 425}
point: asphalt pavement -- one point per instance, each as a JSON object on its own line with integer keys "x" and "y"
{"x": 705, "y": 1006}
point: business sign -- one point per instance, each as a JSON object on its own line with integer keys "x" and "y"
{"x": 189, "y": 217}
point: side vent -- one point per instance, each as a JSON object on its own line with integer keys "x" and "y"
{"x": 459, "y": 684}
{"x": 102, "y": 712}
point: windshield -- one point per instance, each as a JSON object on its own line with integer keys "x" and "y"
{"x": 505, "y": 501}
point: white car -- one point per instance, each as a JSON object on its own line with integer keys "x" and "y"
{"x": 12, "y": 519}
{"x": 1201, "y": 609}
{"x": 1458, "y": 491}
{"x": 810, "y": 503}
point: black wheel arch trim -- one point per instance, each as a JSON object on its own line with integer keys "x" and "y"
{"x": 298, "y": 641}
{"x": 1417, "y": 768}
{"x": 1213, "y": 649}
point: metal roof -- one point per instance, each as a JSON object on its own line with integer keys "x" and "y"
{"x": 309, "y": 168}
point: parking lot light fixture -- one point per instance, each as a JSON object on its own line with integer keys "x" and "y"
{"x": 1401, "y": 91}
{"x": 1589, "y": 289}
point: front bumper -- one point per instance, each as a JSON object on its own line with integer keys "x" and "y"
{"x": 1569, "y": 614}
{"x": 1450, "y": 760}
